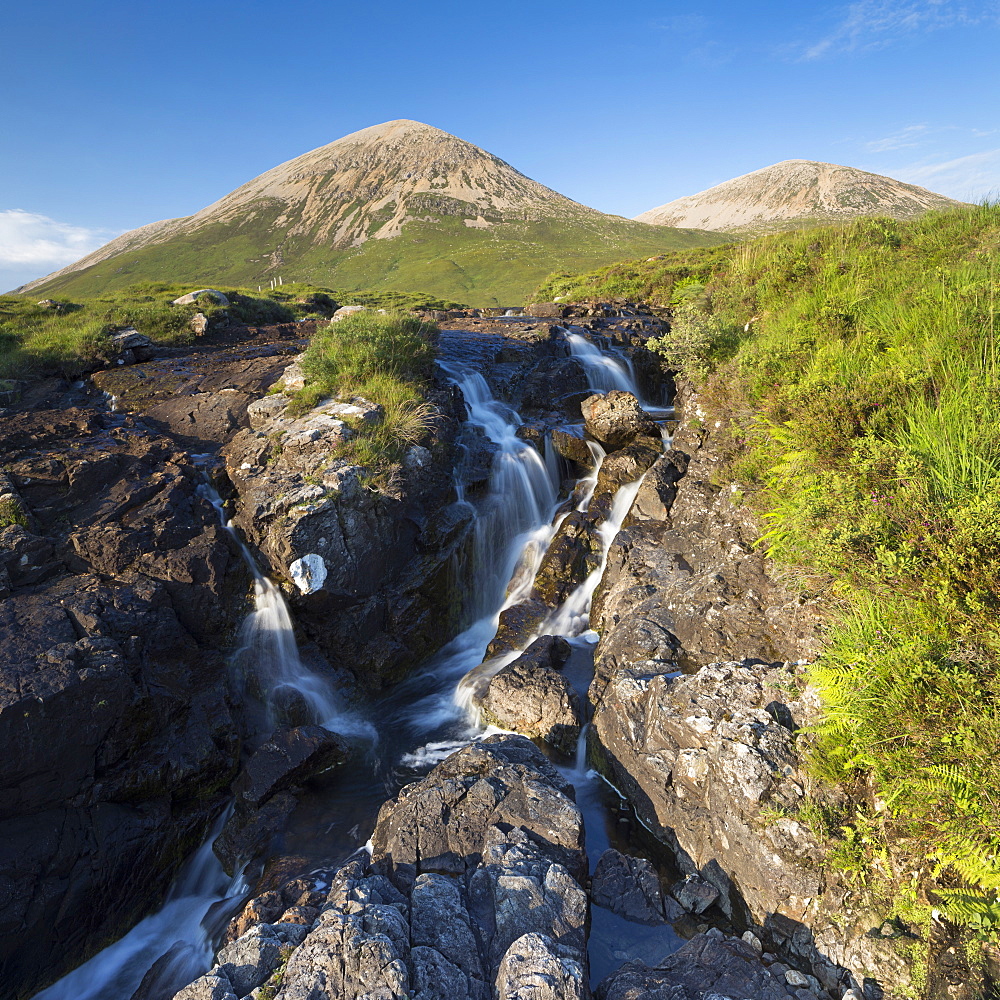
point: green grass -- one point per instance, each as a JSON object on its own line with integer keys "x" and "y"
{"x": 387, "y": 360}
{"x": 858, "y": 366}
{"x": 441, "y": 257}
{"x": 35, "y": 340}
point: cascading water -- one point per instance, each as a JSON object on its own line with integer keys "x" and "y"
{"x": 419, "y": 723}
{"x": 604, "y": 372}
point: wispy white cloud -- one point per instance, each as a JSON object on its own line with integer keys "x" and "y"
{"x": 873, "y": 24}
{"x": 965, "y": 177}
{"x": 904, "y": 138}
{"x": 29, "y": 240}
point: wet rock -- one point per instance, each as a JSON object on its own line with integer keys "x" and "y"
{"x": 627, "y": 464}
{"x": 630, "y": 887}
{"x": 250, "y": 960}
{"x": 707, "y": 966}
{"x": 247, "y": 835}
{"x": 573, "y": 554}
{"x": 549, "y": 384}
{"x": 616, "y": 419}
{"x": 534, "y": 700}
{"x": 571, "y": 443}
{"x": 516, "y": 625}
{"x": 288, "y": 757}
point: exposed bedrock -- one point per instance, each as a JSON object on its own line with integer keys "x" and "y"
{"x": 119, "y": 594}
{"x": 473, "y": 890}
{"x": 375, "y": 570}
{"x": 710, "y": 757}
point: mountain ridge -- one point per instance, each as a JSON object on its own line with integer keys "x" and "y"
{"x": 337, "y": 214}
{"x": 791, "y": 193}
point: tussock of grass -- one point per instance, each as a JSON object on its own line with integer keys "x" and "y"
{"x": 859, "y": 365}
{"x": 387, "y": 359}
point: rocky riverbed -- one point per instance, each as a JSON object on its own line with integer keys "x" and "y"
{"x": 556, "y": 549}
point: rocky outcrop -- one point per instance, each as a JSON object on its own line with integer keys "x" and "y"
{"x": 372, "y": 566}
{"x": 698, "y": 714}
{"x": 472, "y": 890}
{"x": 118, "y": 595}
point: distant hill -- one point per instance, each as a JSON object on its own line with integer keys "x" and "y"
{"x": 795, "y": 193}
{"x": 396, "y": 206}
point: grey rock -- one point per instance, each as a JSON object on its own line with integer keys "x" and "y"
{"x": 441, "y": 922}
{"x": 533, "y": 969}
{"x": 251, "y": 959}
{"x": 213, "y": 986}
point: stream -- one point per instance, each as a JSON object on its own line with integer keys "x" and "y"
{"x": 422, "y": 720}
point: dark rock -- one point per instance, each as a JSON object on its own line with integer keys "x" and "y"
{"x": 629, "y": 887}
{"x": 289, "y": 756}
{"x": 128, "y": 346}
{"x": 627, "y": 464}
{"x": 573, "y": 554}
{"x": 546, "y": 310}
{"x": 616, "y": 419}
{"x": 695, "y": 894}
{"x": 708, "y": 965}
{"x": 548, "y": 381}
{"x": 516, "y": 625}
{"x": 247, "y": 835}
{"x": 572, "y": 445}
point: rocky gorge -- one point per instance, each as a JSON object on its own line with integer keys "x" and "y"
{"x": 554, "y": 559}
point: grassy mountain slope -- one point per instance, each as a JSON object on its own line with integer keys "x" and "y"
{"x": 794, "y": 194}
{"x": 859, "y": 369}
{"x": 397, "y": 206}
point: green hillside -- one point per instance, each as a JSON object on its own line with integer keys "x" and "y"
{"x": 443, "y": 257}
{"x": 858, "y": 369}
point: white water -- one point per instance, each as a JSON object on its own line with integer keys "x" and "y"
{"x": 514, "y": 526}
{"x": 183, "y": 927}
{"x": 604, "y": 372}
{"x": 268, "y": 655}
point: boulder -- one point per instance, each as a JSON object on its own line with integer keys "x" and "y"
{"x": 695, "y": 894}
{"x": 344, "y": 311}
{"x": 288, "y": 757}
{"x": 199, "y": 324}
{"x": 709, "y": 965}
{"x": 129, "y": 347}
{"x": 627, "y": 464}
{"x": 616, "y": 419}
{"x": 546, "y": 310}
{"x": 571, "y": 443}
{"x": 191, "y": 297}
{"x": 630, "y": 887}
{"x": 516, "y": 625}
{"x": 534, "y": 700}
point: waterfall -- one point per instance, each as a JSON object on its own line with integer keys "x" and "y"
{"x": 267, "y": 655}
{"x": 604, "y": 372}
{"x": 177, "y": 938}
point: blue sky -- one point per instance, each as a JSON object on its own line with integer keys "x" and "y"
{"x": 115, "y": 115}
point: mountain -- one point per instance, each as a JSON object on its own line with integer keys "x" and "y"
{"x": 794, "y": 193}
{"x": 400, "y": 206}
